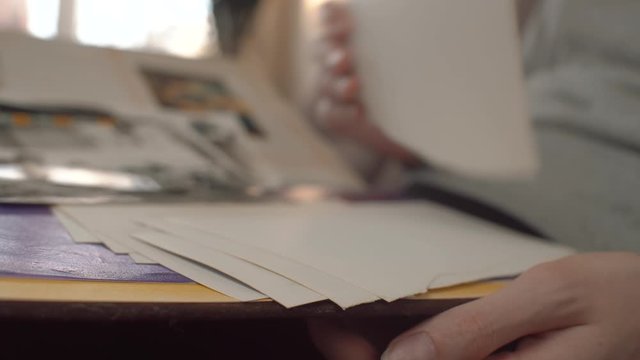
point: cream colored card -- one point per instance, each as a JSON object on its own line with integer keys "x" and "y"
{"x": 444, "y": 78}
{"x": 113, "y": 224}
{"x": 112, "y": 243}
{"x": 117, "y": 227}
{"x": 119, "y": 222}
{"x": 279, "y": 288}
{"x": 141, "y": 259}
{"x": 207, "y": 276}
{"x": 392, "y": 250}
{"x": 83, "y": 236}
{"x": 78, "y": 233}
{"x": 335, "y": 289}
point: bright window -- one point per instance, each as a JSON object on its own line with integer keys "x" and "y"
{"x": 42, "y": 17}
{"x": 179, "y": 27}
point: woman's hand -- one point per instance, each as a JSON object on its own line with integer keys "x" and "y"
{"x": 583, "y": 307}
{"x": 338, "y": 107}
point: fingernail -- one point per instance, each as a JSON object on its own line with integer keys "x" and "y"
{"x": 346, "y": 87}
{"x": 335, "y": 57}
{"x": 342, "y": 85}
{"x": 418, "y": 346}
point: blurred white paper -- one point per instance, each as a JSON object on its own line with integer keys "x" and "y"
{"x": 444, "y": 78}
{"x": 391, "y": 250}
{"x": 335, "y": 289}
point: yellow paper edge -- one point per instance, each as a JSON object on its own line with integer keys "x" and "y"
{"x": 28, "y": 289}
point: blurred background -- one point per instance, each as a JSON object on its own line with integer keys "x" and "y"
{"x": 192, "y": 29}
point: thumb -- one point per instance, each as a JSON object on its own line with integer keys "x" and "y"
{"x": 538, "y": 301}
{"x": 336, "y": 342}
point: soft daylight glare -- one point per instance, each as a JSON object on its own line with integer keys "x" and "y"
{"x": 42, "y": 19}
{"x": 178, "y": 27}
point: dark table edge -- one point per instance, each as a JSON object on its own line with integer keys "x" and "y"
{"x": 124, "y": 312}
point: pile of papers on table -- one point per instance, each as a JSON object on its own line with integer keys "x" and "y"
{"x": 209, "y": 120}
{"x": 349, "y": 253}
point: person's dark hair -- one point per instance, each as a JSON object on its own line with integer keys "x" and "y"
{"x": 232, "y": 19}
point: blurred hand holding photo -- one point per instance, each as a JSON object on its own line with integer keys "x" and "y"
{"x": 588, "y": 165}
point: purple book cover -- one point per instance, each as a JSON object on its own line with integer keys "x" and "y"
{"x": 33, "y": 243}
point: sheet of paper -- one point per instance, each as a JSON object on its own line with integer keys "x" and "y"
{"x": 113, "y": 224}
{"x": 114, "y": 245}
{"x": 83, "y": 236}
{"x": 119, "y": 222}
{"x": 141, "y": 259}
{"x": 78, "y": 233}
{"x": 279, "y": 288}
{"x": 204, "y": 275}
{"x": 391, "y": 250}
{"x": 116, "y": 223}
{"x": 335, "y": 289}
{"x": 199, "y": 273}
{"x": 444, "y": 78}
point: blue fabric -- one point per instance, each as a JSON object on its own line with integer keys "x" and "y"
{"x": 34, "y": 244}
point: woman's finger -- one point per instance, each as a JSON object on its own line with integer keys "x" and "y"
{"x": 337, "y": 117}
{"x": 336, "y": 21}
{"x": 541, "y": 300}
{"x": 338, "y": 60}
{"x": 343, "y": 89}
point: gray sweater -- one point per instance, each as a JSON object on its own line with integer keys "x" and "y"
{"x": 583, "y": 67}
